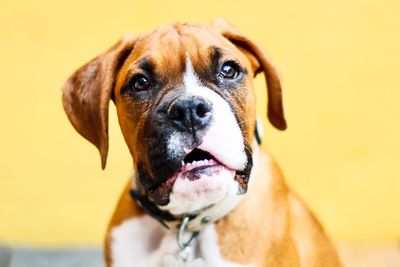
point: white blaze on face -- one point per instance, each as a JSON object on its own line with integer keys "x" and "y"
{"x": 223, "y": 139}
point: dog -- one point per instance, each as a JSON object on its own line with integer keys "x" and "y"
{"x": 202, "y": 193}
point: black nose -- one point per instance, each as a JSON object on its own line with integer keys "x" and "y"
{"x": 190, "y": 113}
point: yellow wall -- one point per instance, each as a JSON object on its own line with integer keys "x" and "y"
{"x": 340, "y": 66}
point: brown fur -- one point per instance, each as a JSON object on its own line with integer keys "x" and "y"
{"x": 276, "y": 224}
{"x": 271, "y": 226}
{"x": 271, "y": 220}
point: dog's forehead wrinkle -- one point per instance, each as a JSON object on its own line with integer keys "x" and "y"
{"x": 171, "y": 46}
{"x": 164, "y": 46}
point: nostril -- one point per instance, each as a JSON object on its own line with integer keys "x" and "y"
{"x": 176, "y": 112}
{"x": 202, "y": 110}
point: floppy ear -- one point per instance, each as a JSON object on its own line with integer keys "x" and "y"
{"x": 87, "y": 92}
{"x": 260, "y": 62}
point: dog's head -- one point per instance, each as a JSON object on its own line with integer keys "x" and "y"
{"x": 186, "y": 107}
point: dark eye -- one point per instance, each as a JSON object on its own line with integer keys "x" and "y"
{"x": 140, "y": 83}
{"x": 229, "y": 70}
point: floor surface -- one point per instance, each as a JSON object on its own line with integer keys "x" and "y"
{"x": 353, "y": 256}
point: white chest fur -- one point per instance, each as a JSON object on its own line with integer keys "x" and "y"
{"x": 143, "y": 242}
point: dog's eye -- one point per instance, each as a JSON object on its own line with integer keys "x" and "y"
{"x": 229, "y": 70}
{"x": 140, "y": 83}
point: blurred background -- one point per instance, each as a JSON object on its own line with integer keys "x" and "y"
{"x": 339, "y": 61}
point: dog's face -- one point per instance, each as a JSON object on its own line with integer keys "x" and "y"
{"x": 186, "y": 107}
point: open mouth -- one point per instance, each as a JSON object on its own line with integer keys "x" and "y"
{"x": 195, "y": 165}
{"x": 197, "y": 162}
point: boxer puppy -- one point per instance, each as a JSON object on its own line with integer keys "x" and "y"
{"x": 201, "y": 194}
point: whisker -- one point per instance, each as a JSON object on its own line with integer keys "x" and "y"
{"x": 244, "y": 121}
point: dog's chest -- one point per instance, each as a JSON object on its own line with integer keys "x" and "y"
{"x": 142, "y": 242}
